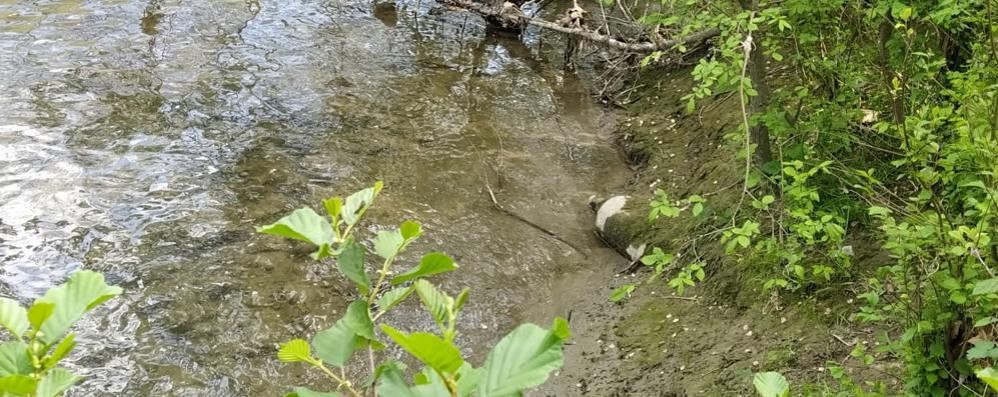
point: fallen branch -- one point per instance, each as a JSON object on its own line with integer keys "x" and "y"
{"x": 591, "y": 36}
{"x": 530, "y": 223}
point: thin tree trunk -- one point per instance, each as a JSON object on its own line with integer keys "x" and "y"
{"x": 758, "y": 103}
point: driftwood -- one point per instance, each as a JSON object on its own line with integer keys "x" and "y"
{"x": 509, "y": 16}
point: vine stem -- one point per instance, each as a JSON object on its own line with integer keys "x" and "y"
{"x": 747, "y": 51}
{"x": 341, "y": 381}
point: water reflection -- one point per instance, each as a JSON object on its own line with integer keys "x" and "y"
{"x": 146, "y": 139}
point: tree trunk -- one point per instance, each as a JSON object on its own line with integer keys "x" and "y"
{"x": 758, "y": 103}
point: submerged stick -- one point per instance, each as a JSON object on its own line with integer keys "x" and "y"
{"x": 495, "y": 203}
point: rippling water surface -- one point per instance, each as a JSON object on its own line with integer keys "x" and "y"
{"x": 145, "y": 139}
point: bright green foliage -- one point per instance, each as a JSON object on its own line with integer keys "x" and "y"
{"x": 882, "y": 119}
{"x": 771, "y": 384}
{"x": 661, "y": 206}
{"x": 622, "y": 292}
{"x": 989, "y": 376}
{"x": 29, "y": 362}
{"x": 522, "y": 360}
{"x": 687, "y": 277}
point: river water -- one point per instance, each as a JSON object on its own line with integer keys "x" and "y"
{"x": 146, "y": 139}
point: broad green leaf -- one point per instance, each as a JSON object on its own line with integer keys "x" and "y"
{"x": 621, "y": 292}
{"x": 388, "y": 243}
{"x": 61, "y": 350}
{"x": 697, "y": 209}
{"x": 430, "y": 384}
{"x": 974, "y": 183}
{"x": 436, "y": 302}
{"x": 982, "y": 349}
{"x": 985, "y": 321}
{"x": 410, "y": 230}
{"x": 295, "y": 350}
{"x": 771, "y": 384}
{"x": 351, "y": 264}
{"x": 523, "y": 359}
{"x": 391, "y": 382}
{"x": 56, "y": 382}
{"x": 336, "y": 344}
{"x": 876, "y": 210}
{"x": 468, "y": 378}
{"x": 989, "y": 376}
{"x": 359, "y": 320}
{"x": 392, "y": 298}
{"x": 428, "y": 348}
{"x": 357, "y": 202}
{"x": 306, "y": 225}
{"x": 306, "y": 392}
{"x": 39, "y": 312}
{"x": 14, "y": 359}
{"x": 984, "y": 287}
{"x": 432, "y": 263}
{"x": 13, "y": 317}
{"x": 17, "y": 385}
{"x": 84, "y": 291}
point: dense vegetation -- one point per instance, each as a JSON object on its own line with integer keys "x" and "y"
{"x": 863, "y": 121}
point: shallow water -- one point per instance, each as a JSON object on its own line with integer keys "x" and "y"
{"x": 147, "y": 139}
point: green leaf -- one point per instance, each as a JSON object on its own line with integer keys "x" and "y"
{"x": 982, "y": 349}
{"x": 460, "y": 300}
{"x": 39, "y": 312}
{"x": 388, "y": 243}
{"x": 985, "y": 321}
{"x": 391, "y": 382}
{"x": 697, "y": 209}
{"x": 306, "y": 225}
{"x": 984, "y": 287}
{"x": 336, "y": 344}
{"x": 65, "y": 346}
{"x": 358, "y": 319}
{"x": 84, "y": 291}
{"x": 876, "y": 210}
{"x": 771, "y": 384}
{"x": 351, "y": 264}
{"x": 356, "y": 203}
{"x": 410, "y": 230}
{"x": 306, "y": 392}
{"x": 989, "y": 376}
{"x": 17, "y": 384}
{"x": 428, "y": 348}
{"x": 334, "y": 206}
{"x": 295, "y": 350}
{"x": 14, "y": 359}
{"x": 436, "y": 302}
{"x": 467, "y": 379}
{"x": 430, "y": 384}
{"x": 621, "y": 292}
{"x": 523, "y": 359}
{"x": 974, "y": 183}
{"x": 13, "y": 317}
{"x": 432, "y": 263}
{"x": 392, "y": 298}
{"x": 56, "y": 382}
